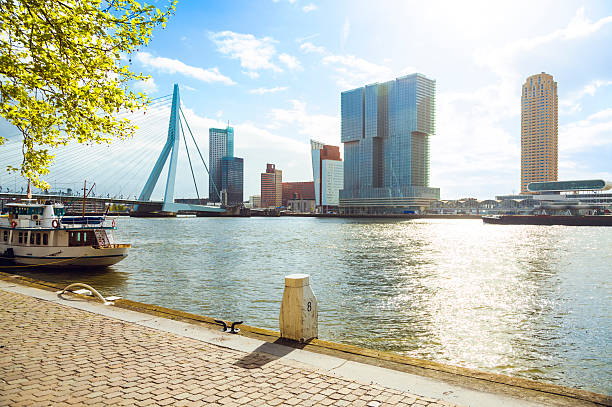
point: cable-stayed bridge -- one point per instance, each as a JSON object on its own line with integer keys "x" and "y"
{"x": 128, "y": 171}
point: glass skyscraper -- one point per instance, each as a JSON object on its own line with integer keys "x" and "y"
{"x": 232, "y": 179}
{"x": 385, "y": 132}
{"x": 225, "y": 170}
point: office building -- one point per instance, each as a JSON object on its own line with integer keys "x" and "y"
{"x": 225, "y": 179}
{"x": 220, "y": 144}
{"x": 271, "y": 187}
{"x": 539, "y": 130}
{"x": 328, "y": 174}
{"x": 298, "y": 190}
{"x": 232, "y": 180}
{"x": 385, "y": 131}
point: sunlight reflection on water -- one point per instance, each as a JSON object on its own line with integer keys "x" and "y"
{"x": 531, "y": 301}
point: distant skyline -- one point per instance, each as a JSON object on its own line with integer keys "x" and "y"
{"x": 275, "y": 70}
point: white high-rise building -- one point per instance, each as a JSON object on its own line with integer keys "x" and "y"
{"x": 328, "y": 174}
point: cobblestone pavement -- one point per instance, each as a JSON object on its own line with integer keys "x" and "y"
{"x": 56, "y": 355}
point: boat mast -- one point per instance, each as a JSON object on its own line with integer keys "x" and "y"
{"x": 86, "y": 193}
{"x": 84, "y": 196}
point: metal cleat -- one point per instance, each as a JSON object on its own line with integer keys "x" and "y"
{"x": 232, "y": 329}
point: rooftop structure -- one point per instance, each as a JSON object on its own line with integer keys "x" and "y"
{"x": 570, "y": 186}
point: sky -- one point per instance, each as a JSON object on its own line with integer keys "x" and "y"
{"x": 274, "y": 69}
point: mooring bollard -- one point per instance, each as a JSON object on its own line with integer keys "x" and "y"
{"x": 299, "y": 313}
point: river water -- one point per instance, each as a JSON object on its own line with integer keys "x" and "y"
{"x": 528, "y": 301}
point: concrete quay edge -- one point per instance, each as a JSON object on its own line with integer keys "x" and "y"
{"x": 523, "y": 392}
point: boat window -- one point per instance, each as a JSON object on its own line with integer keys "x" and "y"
{"x": 6, "y": 235}
{"x": 20, "y": 237}
{"x": 38, "y": 238}
{"x": 78, "y": 237}
{"x": 58, "y": 211}
{"x": 45, "y": 239}
{"x": 31, "y": 238}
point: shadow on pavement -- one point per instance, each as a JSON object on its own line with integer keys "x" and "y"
{"x": 268, "y": 352}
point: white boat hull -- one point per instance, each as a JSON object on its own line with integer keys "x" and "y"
{"x": 59, "y": 257}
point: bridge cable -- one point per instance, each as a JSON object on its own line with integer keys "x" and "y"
{"x": 198, "y": 148}
{"x": 189, "y": 158}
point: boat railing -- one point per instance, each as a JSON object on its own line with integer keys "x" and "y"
{"x": 81, "y": 222}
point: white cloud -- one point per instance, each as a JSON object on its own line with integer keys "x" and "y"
{"x": 173, "y": 66}
{"x": 254, "y": 53}
{"x": 354, "y": 72}
{"x": 587, "y": 134}
{"x": 571, "y": 104}
{"x": 309, "y": 47}
{"x": 346, "y": 29}
{"x": 147, "y": 86}
{"x": 471, "y": 149}
{"x": 261, "y": 91}
{"x": 309, "y": 7}
{"x": 308, "y": 37}
{"x": 321, "y": 127}
{"x": 251, "y": 74}
{"x": 500, "y": 59}
{"x": 219, "y": 113}
{"x": 473, "y": 146}
{"x": 292, "y": 62}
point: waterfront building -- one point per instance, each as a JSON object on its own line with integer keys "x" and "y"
{"x": 385, "y": 131}
{"x": 298, "y": 190}
{"x": 271, "y": 187}
{"x": 328, "y": 174}
{"x": 225, "y": 179}
{"x": 220, "y": 144}
{"x": 232, "y": 180}
{"x": 301, "y": 205}
{"x": 539, "y": 130}
{"x": 255, "y": 201}
{"x": 571, "y": 195}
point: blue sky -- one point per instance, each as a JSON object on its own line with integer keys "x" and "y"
{"x": 275, "y": 70}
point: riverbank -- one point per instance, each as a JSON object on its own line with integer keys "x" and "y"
{"x": 456, "y": 292}
{"x": 250, "y": 356}
{"x": 378, "y": 216}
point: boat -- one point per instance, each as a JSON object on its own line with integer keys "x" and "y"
{"x": 35, "y": 234}
{"x": 566, "y": 220}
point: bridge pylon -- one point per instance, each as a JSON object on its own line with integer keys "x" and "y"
{"x": 171, "y": 148}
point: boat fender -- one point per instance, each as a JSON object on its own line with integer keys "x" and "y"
{"x": 55, "y": 223}
{"x": 13, "y": 224}
{"x": 114, "y": 223}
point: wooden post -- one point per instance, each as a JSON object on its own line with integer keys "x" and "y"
{"x": 299, "y": 312}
